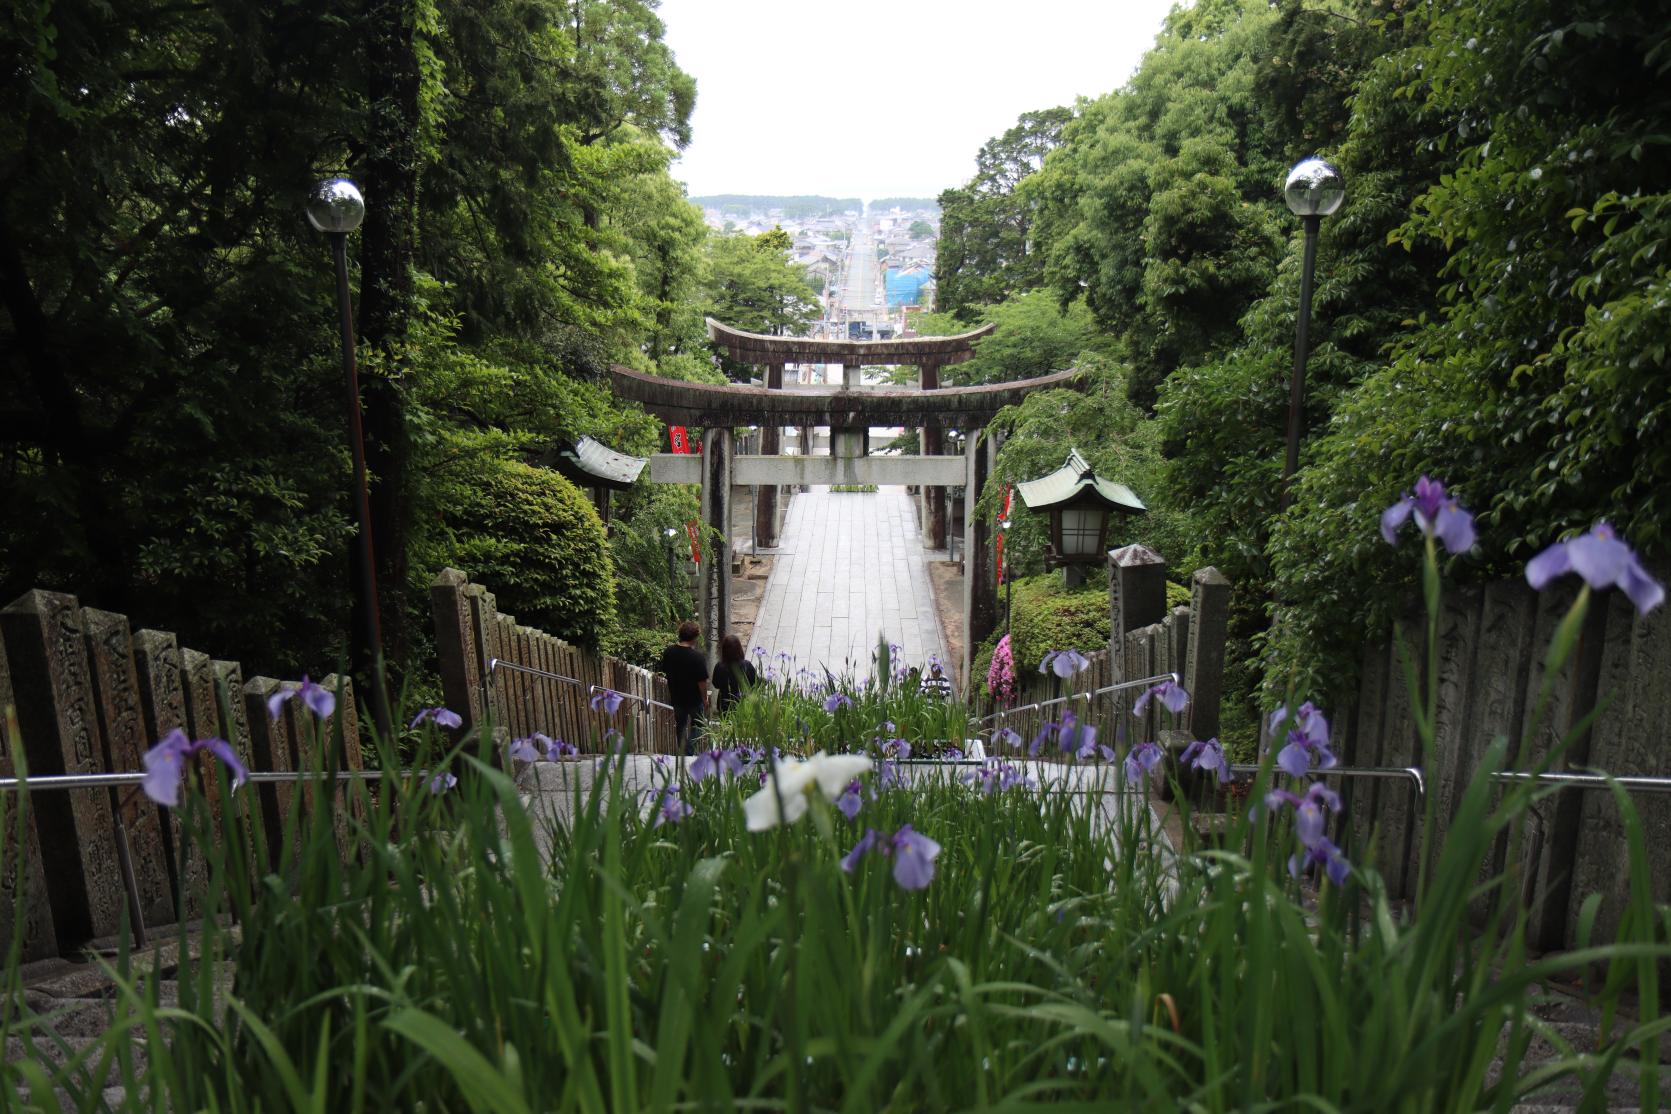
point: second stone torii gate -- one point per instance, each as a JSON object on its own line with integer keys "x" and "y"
{"x": 772, "y": 353}
{"x": 848, "y": 411}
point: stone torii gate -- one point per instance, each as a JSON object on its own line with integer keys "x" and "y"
{"x": 848, "y": 410}
{"x": 929, "y": 354}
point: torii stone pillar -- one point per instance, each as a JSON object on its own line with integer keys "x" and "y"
{"x": 714, "y": 590}
{"x": 933, "y": 444}
{"x": 765, "y": 510}
{"x": 980, "y": 593}
{"x": 845, "y": 440}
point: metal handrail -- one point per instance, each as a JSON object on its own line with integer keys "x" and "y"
{"x": 501, "y": 663}
{"x": 1636, "y": 783}
{"x": 591, "y": 689}
{"x": 1122, "y": 685}
{"x": 116, "y": 781}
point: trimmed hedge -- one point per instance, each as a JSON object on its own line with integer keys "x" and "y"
{"x": 534, "y": 538}
{"x": 1046, "y": 616}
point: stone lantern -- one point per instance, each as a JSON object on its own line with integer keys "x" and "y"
{"x": 1079, "y": 503}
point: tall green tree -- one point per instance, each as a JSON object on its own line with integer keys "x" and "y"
{"x": 986, "y": 252}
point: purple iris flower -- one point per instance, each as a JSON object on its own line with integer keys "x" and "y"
{"x": 1435, "y": 512}
{"x": 1142, "y": 760}
{"x": 1005, "y": 737}
{"x": 1091, "y": 750}
{"x": 1064, "y": 663}
{"x": 1325, "y": 854}
{"x": 607, "y": 700}
{"x": 1073, "y": 736}
{"x": 525, "y": 750}
{"x": 912, "y": 852}
{"x": 1041, "y": 738}
{"x": 897, "y": 748}
{"x": 1307, "y": 738}
{"x": 889, "y": 775}
{"x": 850, "y": 802}
{"x": 1170, "y": 694}
{"x": 715, "y": 763}
{"x": 1207, "y": 755}
{"x": 850, "y": 861}
{"x": 1014, "y": 777}
{"x": 837, "y": 700}
{"x": 1308, "y": 810}
{"x": 442, "y": 782}
{"x": 1604, "y": 561}
{"x": 439, "y": 716}
{"x": 913, "y": 855}
{"x": 318, "y": 698}
{"x": 1295, "y": 758}
{"x": 671, "y": 808}
{"x": 165, "y": 765}
{"x": 613, "y": 740}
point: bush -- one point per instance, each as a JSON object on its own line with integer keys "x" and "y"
{"x": 639, "y": 645}
{"x": 535, "y": 540}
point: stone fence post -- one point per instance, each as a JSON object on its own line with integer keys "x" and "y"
{"x": 1204, "y": 662}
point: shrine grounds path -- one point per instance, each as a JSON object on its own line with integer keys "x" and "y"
{"x": 849, "y": 566}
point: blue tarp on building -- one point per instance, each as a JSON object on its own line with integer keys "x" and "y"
{"x": 903, "y": 287}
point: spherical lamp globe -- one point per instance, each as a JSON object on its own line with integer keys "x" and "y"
{"x": 1314, "y": 188}
{"x": 335, "y": 205}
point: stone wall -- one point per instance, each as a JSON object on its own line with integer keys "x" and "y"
{"x": 91, "y": 697}
{"x": 1493, "y": 643}
{"x": 471, "y": 634}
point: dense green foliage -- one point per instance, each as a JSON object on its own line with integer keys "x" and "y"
{"x": 1488, "y": 308}
{"x": 172, "y": 427}
{"x": 537, "y": 540}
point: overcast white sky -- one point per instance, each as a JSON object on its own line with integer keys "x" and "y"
{"x": 883, "y": 98}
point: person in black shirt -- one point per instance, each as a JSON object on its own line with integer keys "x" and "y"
{"x": 687, "y": 684}
{"x": 734, "y": 674}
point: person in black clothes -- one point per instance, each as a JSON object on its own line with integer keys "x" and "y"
{"x": 687, "y": 684}
{"x": 734, "y": 674}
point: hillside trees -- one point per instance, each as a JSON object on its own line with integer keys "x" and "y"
{"x": 1489, "y": 304}
{"x": 171, "y": 426}
{"x": 753, "y": 286}
{"x": 985, "y": 252}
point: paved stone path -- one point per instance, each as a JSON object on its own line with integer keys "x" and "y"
{"x": 850, "y": 565}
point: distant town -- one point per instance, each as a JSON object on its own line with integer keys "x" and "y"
{"x": 872, "y": 263}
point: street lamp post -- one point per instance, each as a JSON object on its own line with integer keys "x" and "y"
{"x": 1008, "y": 571}
{"x": 335, "y": 207}
{"x": 668, "y": 532}
{"x": 1314, "y": 190}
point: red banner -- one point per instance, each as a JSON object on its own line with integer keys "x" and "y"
{"x": 680, "y": 441}
{"x": 1009, "y": 493}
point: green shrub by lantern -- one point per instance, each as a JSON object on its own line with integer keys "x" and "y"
{"x": 537, "y": 539}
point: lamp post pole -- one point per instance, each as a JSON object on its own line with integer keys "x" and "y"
{"x": 1007, "y": 572}
{"x": 1314, "y": 190}
{"x": 336, "y": 208}
{"x": 672, "y": 583}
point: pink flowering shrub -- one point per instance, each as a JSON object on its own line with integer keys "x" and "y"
{"x": 1000, "y": 678}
